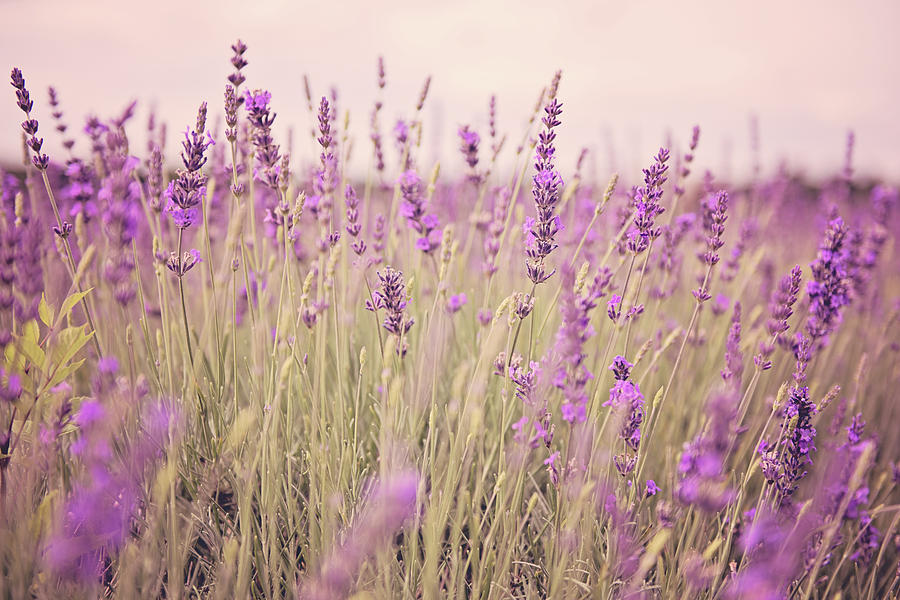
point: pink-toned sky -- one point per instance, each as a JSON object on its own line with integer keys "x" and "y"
{"x": 635, "y": 71}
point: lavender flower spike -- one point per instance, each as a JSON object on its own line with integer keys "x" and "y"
{"x": 540, "y": 239}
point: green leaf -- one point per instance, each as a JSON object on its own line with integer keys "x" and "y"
{"x": 70, "y": 302}
{"x": 64, "y": 372}
{"x": 45, "y": 312}
{"x": 69, "y": 341}
{"x": 32, "y": 351}
{"x": 31, "y": 331}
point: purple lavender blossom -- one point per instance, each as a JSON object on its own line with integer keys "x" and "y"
{"x": 188, "y": 189}
{"x": 468, "y": 146}
{"x": 391, "y": 296}
{"x": 540, "y": 241}
{"x": 391, "y": 503}
{"x": 714, "y": 217}
{"x": 267, "y": 152}
{"x": 572, "y": 375}
{"x": 647, "y": 207}
{"x": 626, "y": 399}
{"x": 828, "y": 290}
{"x": 29, "y": 125}
{"x": 353, "y": 226}
{"x": 413, "y": 209}
{"x": 734, "y": 367}
{"x": 704, "y": 475}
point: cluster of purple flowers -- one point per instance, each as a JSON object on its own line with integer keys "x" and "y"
{"x": 626, "y": 399}
{"x": 541, "y": 234}
{"x": 714, "y": 217}
{"x": 391, "y": 296}
{"x": 828, "y": 290}
{"x": 413, "y": 209}
{"x": 267, "y": 153}
{"x": 781, "y": 307}
{"x": 572, "y": 375}
{"x": 704, "y": 476}
{"x": 188, "y": 189}
{"x": 646, "y": 204}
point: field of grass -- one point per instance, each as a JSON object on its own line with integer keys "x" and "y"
{"x": 252, "y": 377}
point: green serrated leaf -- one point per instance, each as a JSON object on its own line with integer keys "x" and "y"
{"x": 71, "y": 301}
{"x": 45, "y": 312}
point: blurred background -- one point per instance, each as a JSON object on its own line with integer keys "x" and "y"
{"x": 636, "y": 74}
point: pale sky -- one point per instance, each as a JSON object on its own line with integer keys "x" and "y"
{"x": 633, "y": 71}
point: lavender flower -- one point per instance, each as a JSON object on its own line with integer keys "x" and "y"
{"x": 391, "y": 296}
{"x": 188, "y": 189}
{"x": 780, "y": 310}
{"x": 828, "y": 290}
{"x": 468, "y": 145}
{"x": 647, "y": 208}
{"x": 714, "y": 217}
{"x": 29, "y": 125}
{"x": 540, "y": 241}
{"x": 267, "y": 152}
{"x": 572, "y": 375}
{"x": 733, "y": 357}
{"x": 626, "y": 399}
{"x": 704, "y": 482}
{"x": 353, "y": 227}
{"x": 413, "y": 209}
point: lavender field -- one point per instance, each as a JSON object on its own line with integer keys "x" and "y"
{"x": 240, "y": 373}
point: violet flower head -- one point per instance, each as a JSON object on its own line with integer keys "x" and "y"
{"x": 646, "y": 203}
{"x": 734, "y": 367}
{"x": 704, "y": 482}
{"x": 829, "y": 289}
{"x": 29, "y": 125}
{"x": 546, "y": 190}
{"x": 188, "y": 190}
{"x": 714, "y": 216}
{"x": 781, "y": 307}
{"x": 413, "y": 209}
{"x": 468, "y": 145}
{"x": 238, "y": 62}
{"x": 353, "y": 227}
{"x": 456, "y": 302}
{"x": 267, "y": 152}
{"x": 495, "y": 231}
{"x": 572, "y": 375}
{"x": 626, "y": 399}
{"x": 391, "y": 296}
{"x": 324, "y": 184}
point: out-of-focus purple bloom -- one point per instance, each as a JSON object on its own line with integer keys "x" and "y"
{"x": 456, "y": 302}
{"x": 627, "y": 401}
{"x": 704, "y": 483}
{"x": 413, "y": 209}
{"x": 495, "y": 231}
{"x": 391, "y": 504}
{"x": 571, "y": 374}
{"x": 468, "y": 145}
{"x": 734, "y": 366}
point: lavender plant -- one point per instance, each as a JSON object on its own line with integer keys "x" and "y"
{"x": 402, "y": 413}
